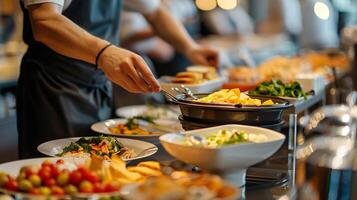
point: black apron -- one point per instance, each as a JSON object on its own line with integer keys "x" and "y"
{"x": 57, "y": 96}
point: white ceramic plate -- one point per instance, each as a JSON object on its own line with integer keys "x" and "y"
{"x": 230, "y": 161}
{"x": 137, "y": 110}
{"x": 141, "y": 148}
{"x": 205, "y": 87}
{"x": 167, "y": 126}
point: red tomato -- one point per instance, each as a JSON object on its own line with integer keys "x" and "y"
{"x": 35, "y": 191}
{"x": 55, "y": 190}
{"x": 111, "y": 187}
{"x": 44, "y": 174}
{"x": 54, "y": 172}
{"x": 47, "y": 163}
{"x": 50, "y": 182}
{"x": 83, "y": 170}
{"x": 99, "y": 188}
{"x": 11, "y": 185}
{"x": 91, "y": 177}
{"x": 29, "y": 172}
{"x": 60, "y": 162}
{"x": 75, "y": 177}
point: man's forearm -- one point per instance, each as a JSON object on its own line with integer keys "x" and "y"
{"x": 63, "y": 36}
{"x": 169, "y": 29}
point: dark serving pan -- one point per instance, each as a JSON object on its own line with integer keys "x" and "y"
{"x": 229, "y": 113}
{"x": 189, "y": 125}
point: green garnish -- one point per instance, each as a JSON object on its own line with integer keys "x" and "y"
{"x": 84, "y": 144}
{"x": 278, "y": 88}
{"x": 133, "y": 123}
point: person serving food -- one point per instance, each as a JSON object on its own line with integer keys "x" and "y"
{"x": 72, "y": 52}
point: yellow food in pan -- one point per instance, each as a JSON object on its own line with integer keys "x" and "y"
{"x": 233, "y": 96}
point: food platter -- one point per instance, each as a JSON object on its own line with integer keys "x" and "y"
{"x": 13, "y": 168}
{"x": 170, "y": 112}
{"x": 229, "y": 113}
{"x": 93, "y": 178}
{"x": 141, "y": 149}
{"x": 161, "y": 127}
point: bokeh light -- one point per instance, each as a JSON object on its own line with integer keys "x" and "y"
{"x": 227, "y": 4}
{"x": 321, "y": 10}
{"x": 206, "y": 5}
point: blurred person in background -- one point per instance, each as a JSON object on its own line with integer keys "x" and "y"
{"x": 137, "y": 35}
{"x": 64, "y": 84}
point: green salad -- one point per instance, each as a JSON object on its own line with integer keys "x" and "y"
{"x": 279, "y": 89}
{"x": 224, "y": 137}
{"x": 105, "y": 146}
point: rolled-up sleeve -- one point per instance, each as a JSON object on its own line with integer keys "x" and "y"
{"x": 34, "y": 2}
{"x": 141, "y": 6}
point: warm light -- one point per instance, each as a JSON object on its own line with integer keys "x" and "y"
{"x": 321, "y": 10}
{"x": 227, "y": 4}
{"x": 206, "y": 5}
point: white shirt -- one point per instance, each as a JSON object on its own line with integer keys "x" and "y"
{"x": 141, "y": 6}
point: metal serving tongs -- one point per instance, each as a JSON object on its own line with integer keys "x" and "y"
{"x": 186, "y": 91}
{"x": 169, "y": 96}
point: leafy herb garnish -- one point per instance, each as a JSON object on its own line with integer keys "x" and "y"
{"x": 133, "y": 123}
{"x": 278, "y": 88}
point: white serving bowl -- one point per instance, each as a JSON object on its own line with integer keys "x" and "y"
{"x": 230, "y": 161}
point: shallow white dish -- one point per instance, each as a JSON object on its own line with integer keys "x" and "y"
{"x": 141, "y": 148}
{"x": 138, "y": 110}
{"x": 230, "y": 161}
{"x": 169, "y": 126}
{"x": 205, "y": 87}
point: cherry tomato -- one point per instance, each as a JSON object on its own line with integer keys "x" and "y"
{"x": 60, "y": 162}
{"x": 63, "y": 178}
{"x": 29, "y": 172}
{"x": 11, "y": 185}
{"x": 75, "y": 177}
{"x": 54, "y": 172}
{"x": 25, "y": 185}
{"x": 44, "y": 173}
{"x": 82, "y": 170}
{"x": 21, "y": 176}
{"x": 46, "y": 163}
{"x": 35, "y": 180}
{"x": 91, "y": 176}
{"x": 55, "y": 190}
{"x": 45, "y": 190}
{"x": 35, "y": 191}
{"x": 98, "y": 188}
{"x": 50, "y": 182}
{"x": 4, "y": 178}
{"x": 86, "y": 187}
{"x": 71, "y": 189}
{"x": 111, "y": 187}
